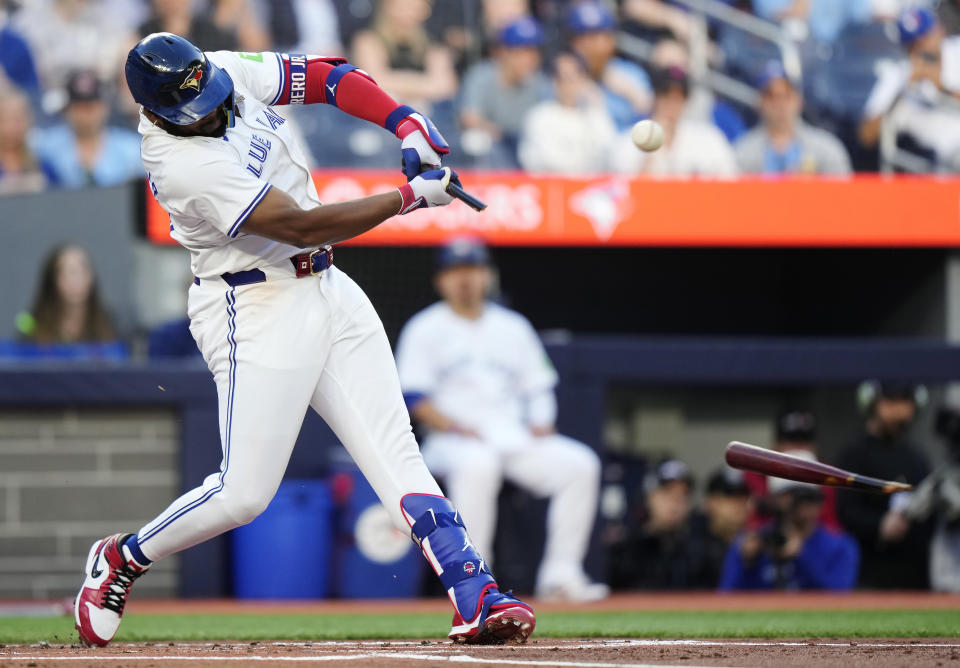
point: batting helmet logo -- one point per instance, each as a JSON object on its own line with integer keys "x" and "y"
{"x": 193, "y": 79}
{"x": 469, "y": 568}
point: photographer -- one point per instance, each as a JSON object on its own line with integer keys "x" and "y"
{"x": 938, "y": 497}
{"x": 795, "y": 551}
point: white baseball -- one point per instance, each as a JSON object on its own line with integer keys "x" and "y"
{"x": 647, "y": 135}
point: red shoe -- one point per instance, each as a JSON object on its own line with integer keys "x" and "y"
{"x": 99, "y": 605}
{"x": 501, "y": 619}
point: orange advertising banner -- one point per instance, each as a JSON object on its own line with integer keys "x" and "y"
{"x": 615, "y": 210}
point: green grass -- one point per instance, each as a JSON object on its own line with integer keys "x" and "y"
{"x": 645, "y": 624}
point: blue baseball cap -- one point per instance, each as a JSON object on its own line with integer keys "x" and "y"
{"x": 523, "y": 32}
{"x": 462, "y": 251}
{"x": 590, "y": 17}
{"x": 772, "y": 71}
{"x": 915, "y": 23}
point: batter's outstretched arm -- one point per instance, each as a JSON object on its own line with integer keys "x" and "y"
{"x": 278, "y": 217}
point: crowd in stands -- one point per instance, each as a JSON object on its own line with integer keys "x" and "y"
{"x": 542, "y": 85}
{"x": 753, "y": 532}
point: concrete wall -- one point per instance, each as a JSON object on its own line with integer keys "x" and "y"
{"x": 68, "y": 477}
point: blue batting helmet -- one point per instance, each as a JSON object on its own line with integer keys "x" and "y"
{"x": 174, "y": 79}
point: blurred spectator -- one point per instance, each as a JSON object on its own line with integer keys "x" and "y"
{"x": 664, "y": 553}
{"x": 459, "y": 25}
{"x": 237, "y": 17}
{"x": 398, "y": 52}
{"x": 85, "y": 150}
{"x": 21, "y": 170}
{"x": 67, "y": 306}
{"x": 795, "y": 431}
{"x": 690, "y": 147}
{"x": 894, "y": 553}
{"x": 795, "y": 551}
{"x": 16, "y": 60}
{"x": 301, "y": 26}
{"x": 476, "y": 376}
{"x": 702, "y": 104}
{"x": 924, "y": 88}
{"x": 625, "y": 85}
{"x": 726, "y": 508}
{"x": 823, "y": 20}
{"x": 573, "y": 133}
{"x": 657, "y": 18}
{"x": 68, "y": 35}
{"x": 179, "y": 17}
{"x": 498, "y": 93}
{"x": 938, "y": 497}
{"x": 782, "y": 143}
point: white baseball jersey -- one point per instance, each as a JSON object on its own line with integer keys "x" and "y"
{"x": 209, "y": 186}
{"x": 480, "y": 373}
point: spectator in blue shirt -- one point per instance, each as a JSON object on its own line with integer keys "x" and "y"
{"x": 795, "y": 551}
{"x": 625, "y": 85}
{"x": 86, "y": 151}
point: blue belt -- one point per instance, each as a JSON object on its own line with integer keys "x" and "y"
{"x": 304, "y": 264}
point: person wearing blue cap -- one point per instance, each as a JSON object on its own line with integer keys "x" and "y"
{"x": 922, "y": 84}
{"x": 498, "y": 92}
{"x": 625, "y": 85}
{"x": 782, "y": 143}
{"x": 477, "y": 377}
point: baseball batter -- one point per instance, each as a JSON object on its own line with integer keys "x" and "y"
{"x": 476, "y": 374}
{"x": 279, "y": 326}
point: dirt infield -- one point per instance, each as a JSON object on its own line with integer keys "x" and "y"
{"x": 878, "y": 653}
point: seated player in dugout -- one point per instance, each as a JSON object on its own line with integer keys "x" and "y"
{"x": 475, "y": 374}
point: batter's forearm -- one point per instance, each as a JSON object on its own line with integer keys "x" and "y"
{"x": 278, "y": 217}
{"x": 333, "y": 223}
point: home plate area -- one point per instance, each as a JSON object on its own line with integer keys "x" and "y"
{"x": 593, "y": 653}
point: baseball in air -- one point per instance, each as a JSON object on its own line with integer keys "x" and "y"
{"x": 647, "y": 135}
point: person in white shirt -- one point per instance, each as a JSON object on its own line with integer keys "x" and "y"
{"x": 572, "y": 133}
{"x": 690, "y": 148}
{"x": 922, "y": 90}
{"x": 476, "y": 375}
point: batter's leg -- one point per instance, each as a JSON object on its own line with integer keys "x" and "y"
{"x": 262, "y": 404}
{"x": 358, "y": 396}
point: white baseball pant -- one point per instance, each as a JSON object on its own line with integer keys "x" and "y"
{"x": 555, "y": 466}
{"x": 276, "y": 348}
